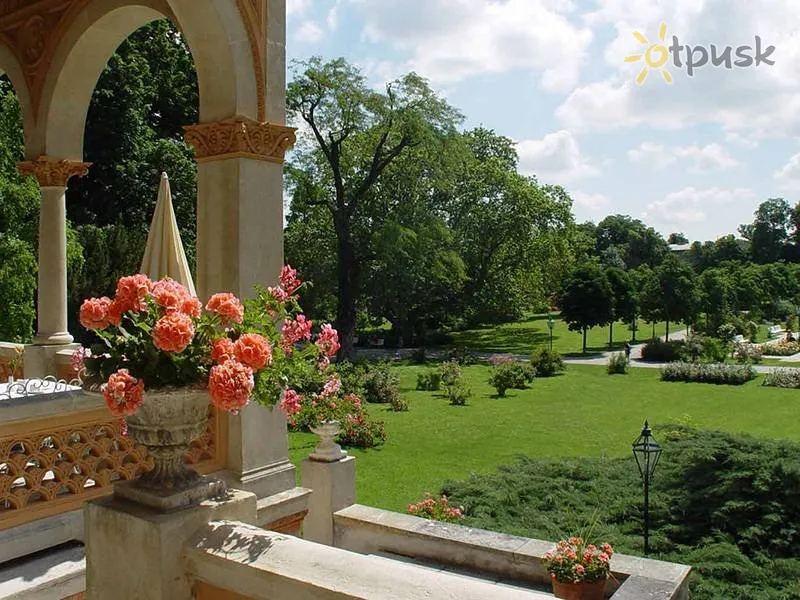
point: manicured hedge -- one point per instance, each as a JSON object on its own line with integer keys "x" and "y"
{"x": 708, "y": 373}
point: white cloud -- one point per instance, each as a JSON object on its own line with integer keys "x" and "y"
{"x": 740, "y": 140}
{"x": 691, "y": 206}
{"x": 754, "y": 103}
{"x": 309, "y": 32}
{"x": 333, "y": 17}
{"x": 711, "y": 157}
{"x": 594, "y": 202}
{"x": 453, "y": 40}
{"x": 556, "y": 159}
{"x": 297, "y": 7}
{"x": 788, "y": 176}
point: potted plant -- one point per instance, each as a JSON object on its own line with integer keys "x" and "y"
{"x": 161, "y": 356}
{"x": 579, "y": 571}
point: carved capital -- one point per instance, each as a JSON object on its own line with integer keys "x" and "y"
{"x": 240, "y": 138}
{"x": 51, "y": 172}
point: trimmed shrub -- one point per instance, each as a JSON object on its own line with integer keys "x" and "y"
{"x": 499, "y": 359}
{"x": 546, "y": 362}
{"x": 507, "y": 376}
{"x": 381, "y": 385}
{"x": 708, "y": 373}
{"x": 660, "y": 351}
{"x": 699, "y": 348}
{"x": 399, "y": 404}
{"x": 359, "y": 431}
{"x": 747, "y": 353}
{"x": 617, "y": 364}
{"x": 781, "y": 349}
{"x": 783, "y": 378}
{"x": 429, "y": 381}
{"x": 450, "y": 372}
{"x": 458, "y": 394}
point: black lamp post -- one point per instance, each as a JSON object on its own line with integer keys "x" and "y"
{"x": 646, "y": 452}
{"x": 550, "y": 323}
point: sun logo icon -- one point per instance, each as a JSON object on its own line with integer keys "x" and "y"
{"x": 649, "y": 55}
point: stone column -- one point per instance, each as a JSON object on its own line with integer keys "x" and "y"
{"x": 53, "y": 176}
{"x": 333, "y": 487}
{"x": 240, "y": 245}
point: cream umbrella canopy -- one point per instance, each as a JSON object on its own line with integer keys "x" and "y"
{"x": 164, "y": 255}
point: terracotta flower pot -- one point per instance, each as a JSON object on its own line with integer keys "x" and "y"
{"x": 327, "y": 450}
{"x": 166, "y": 424}
{"x": 579, "y": 591}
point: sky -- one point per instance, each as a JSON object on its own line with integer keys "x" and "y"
{"x": 696, "y": 155}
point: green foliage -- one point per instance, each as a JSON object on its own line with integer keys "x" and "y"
{"x": 587, "y": 299}
{"x": 436, "y": 509}
{"x": 429, "y": 381}
{"x": 708, "y": 373}
{"x": 699, "y": 348}
{"x": 617, "y": 364}
{"x": 381, "y": 386}
{"x": 17, "y": 289}
{"x": 636, "y": 243}
{"x": 746, "y": 353}
{"x": 458, "y": 394}
{"x": 546, "y": 362}
{"x": 512, "y": 375}
{"x": 661, "y": 351}
{"x": 782, "y": 348}
{"x": 461, "y": 355}
{"x": 361, "y": 431}
{"x": 727, "y": 505}
{"x": 451, "y": 372}
{"x": 783, "y": 378}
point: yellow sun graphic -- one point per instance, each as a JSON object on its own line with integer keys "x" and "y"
{"x": 650, "y": 62}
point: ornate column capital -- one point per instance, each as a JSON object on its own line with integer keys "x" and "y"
{"x": 52, "y": 172}
{"x": 240, "y": 138}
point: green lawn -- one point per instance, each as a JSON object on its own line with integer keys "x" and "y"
{"x": 584, "y": 412}
{"x": 521, "y": 337}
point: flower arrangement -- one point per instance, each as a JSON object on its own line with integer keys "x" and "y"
{"x": 156, "y": 335}
{"x": 574, "y": 561}
{"x": 436, "y": 509}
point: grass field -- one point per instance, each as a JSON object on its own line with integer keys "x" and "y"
{"x": 521, "y": 337}
{"x": 584, "y": 412}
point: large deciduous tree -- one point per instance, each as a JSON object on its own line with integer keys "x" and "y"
{"x": 672, "y": 291}
{"x": 587, "y": 299}
{"x": 356, "y": 134}
{"x": 769, "y": 231}
{"x": 624, "y": 300}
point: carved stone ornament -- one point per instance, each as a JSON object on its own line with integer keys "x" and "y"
{"x": 240, "y": 138}
{"x": 51, "y": 172}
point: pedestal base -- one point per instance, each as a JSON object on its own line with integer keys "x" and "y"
{"x": 169, "y": 500}
{"x": 134, "y": 552}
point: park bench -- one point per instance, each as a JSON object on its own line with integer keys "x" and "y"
{"x": 775, "y": 330}
{"x": 738, "y": 339}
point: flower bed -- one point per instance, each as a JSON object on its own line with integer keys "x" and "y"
{"x": 708, "y": 373}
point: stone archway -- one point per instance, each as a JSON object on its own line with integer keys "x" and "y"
{"x": 9, "y": 66}
{"x": 60, "y": 48}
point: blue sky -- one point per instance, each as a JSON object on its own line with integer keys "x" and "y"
{"x": 696, "y": 155}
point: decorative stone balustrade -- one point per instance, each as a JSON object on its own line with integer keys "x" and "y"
{"x": 59, "y": 447}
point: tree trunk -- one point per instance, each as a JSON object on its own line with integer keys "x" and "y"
{"x": 653, "y": 336}
{"x": 611, "y": 335}
{"x": 584, "y": 339}
{"x": 348, "y": 294}
{"x": 666, "y": 336}
{"x": 634, "y": 327}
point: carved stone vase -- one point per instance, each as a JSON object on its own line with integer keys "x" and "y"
{"x": 579, "y": 591}
{"x": 166, "y": 424}
{"x": 327, "y": 450}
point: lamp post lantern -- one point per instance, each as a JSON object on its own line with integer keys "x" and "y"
{"x": 646, "y": 452}
{"x": 550, "y": 323}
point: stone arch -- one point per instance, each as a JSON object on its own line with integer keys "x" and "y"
{"x": 10, "y": 66}
{"x": 216, "y": 36}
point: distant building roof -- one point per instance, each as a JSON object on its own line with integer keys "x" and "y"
{"x": 679, "y": 247}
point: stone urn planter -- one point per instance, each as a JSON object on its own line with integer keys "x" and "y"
{"x": 328, "y": 450}
{"x": 166, "y": 424}
{"x": 579, "y": 591}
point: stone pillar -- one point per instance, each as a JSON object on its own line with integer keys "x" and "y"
{"x": 240, "y": 245}
{"x": 333, "y": 487}
{"x": 134, "y": 552}
{"x": 53, "y": 176}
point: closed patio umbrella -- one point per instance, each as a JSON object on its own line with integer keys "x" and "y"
{"x": 164, "y": 255}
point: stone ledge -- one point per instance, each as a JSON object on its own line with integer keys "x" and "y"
{"x": 263, "y": 565}
{"x": 51, "y": 575}
{"x": 282, "y": 505}
{"x": 374, "y": 531}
